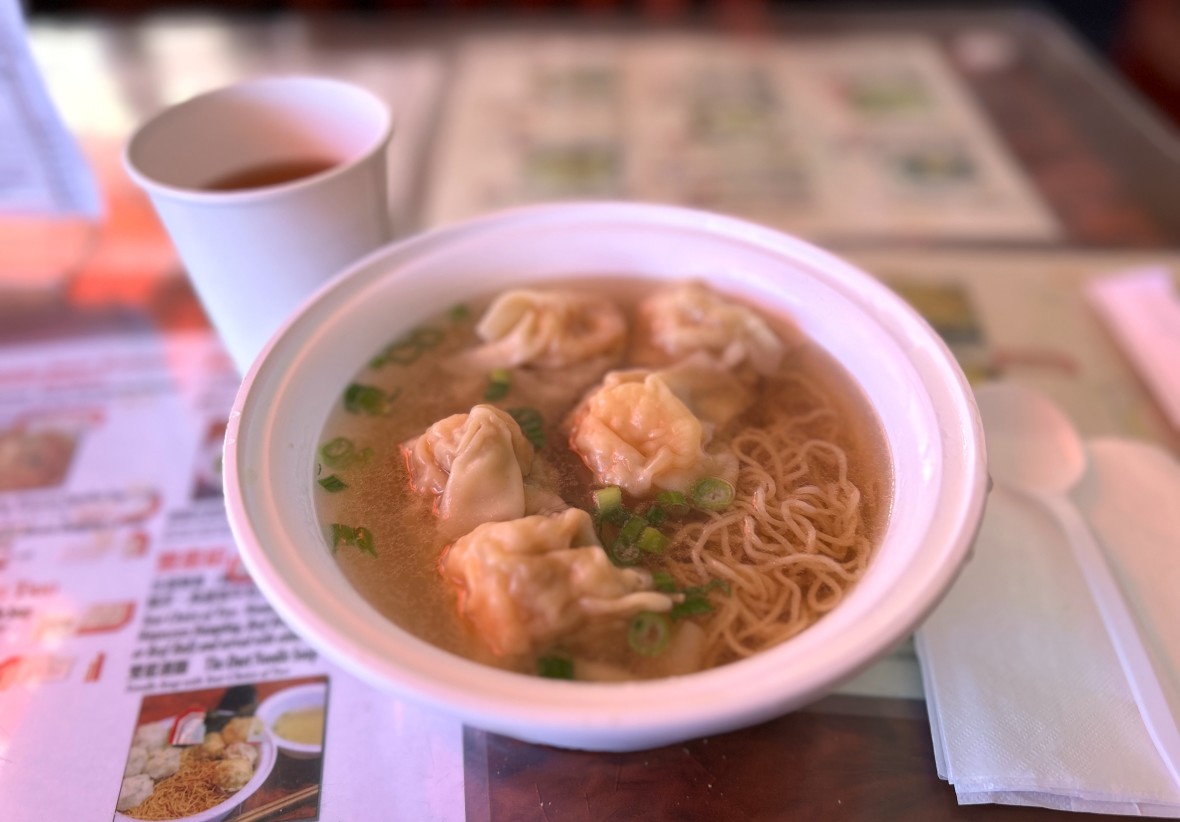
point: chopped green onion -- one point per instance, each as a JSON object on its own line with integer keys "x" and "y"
{"x": 530, "y": 422}
{"x": 426, "y": 337}
{"x": 338, "y": 452}
{"x": 632, "y": 529}
{"x": 409, "y": 348}
{"x": 656, "y": 515}
{"x": 555, "y": 667}
{"x": 673, "y": 503}
{"x": 364, "y": 541}
{"x": 649, "y": 633}
{"x": 625, "y": 549}
{"x": 332, "y": 483}
{"x": 712, "y": 494}
{"x": 342, "y": 535}
{"x": 361, "y": 537}
{"x": 616, "y": 516}
{"x": 663, "y": 582}
{"x": 608, "y": 499}
{"x": 691, "y": 606}
{"x": 499, "y": 381}
{"x": 652, "y": 541}
{"x": 624, "y": 554}
{"x": 368, "y": 399}
{"x": 459, "y": 313}
{"x": 696, "y": 600}
{"x": 402, "y": 352}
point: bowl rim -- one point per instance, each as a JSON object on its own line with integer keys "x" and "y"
{"x": 544, "y": 713}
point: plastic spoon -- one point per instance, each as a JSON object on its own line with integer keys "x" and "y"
{"x": 1033, "y": 448}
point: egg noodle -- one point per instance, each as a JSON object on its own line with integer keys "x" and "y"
{"x": 792, "y": 542}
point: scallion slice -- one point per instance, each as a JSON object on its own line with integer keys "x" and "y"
{"x": 651, "y": 541}
{"x": 368, "y": 399}
{"x": 361, "y": 537}
{"x": 364, "y": 540}
{"x": 337, "y": 452}
{"x": 555, "y": 667}
{"x": 656, "y": 515}
{"x": 696, "y": 600}
{"x": 409, "y": 348}
{"x": 499, "y": 381}
{"x": 712, "y": 494}
{"x": 673, "y": 503}
{"x": 624, "y": 554}
{"x": 607, "y": 499}
{"x": 332, "y": 483}
{"x": 342, "y": 535}
{"x": 632, "y": 529}
{"x": 459, "y": 313}
{"x": 649, "y": 633}
{"x": 663, "y": 582}
{"x": 616, "y": 516}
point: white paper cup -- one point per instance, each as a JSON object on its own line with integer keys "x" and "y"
{"x": 254, "y": 254}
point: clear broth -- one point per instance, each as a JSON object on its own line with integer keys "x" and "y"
{"x": 403, "y": 581}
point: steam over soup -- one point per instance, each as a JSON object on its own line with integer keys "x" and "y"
{"x": 570, "y": 484}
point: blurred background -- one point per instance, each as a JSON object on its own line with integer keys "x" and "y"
{"x": 1138, "y": 38}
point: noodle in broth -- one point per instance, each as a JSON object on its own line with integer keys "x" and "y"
{"x": 792, "y": 542}
{"x": 810, "y": 497}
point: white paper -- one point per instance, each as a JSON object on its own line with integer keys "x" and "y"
{"x": 42, "y": 170}
{"x": 1028, "y": 702}
{"x": 121, "y": 587}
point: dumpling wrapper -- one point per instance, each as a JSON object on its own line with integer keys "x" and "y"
{"x": 527, "y": 583}
{"x": 133, "y": 791}
{"x": 475, "y": 464}
{"x": 549, "y": 329}
{"x": 708, "y": 390}
{"x": 136, "y": 760}
{"x": 634, "y": 431}
{"x": 162, "y": 763}
{"x": 153, "y": 734}
{"x": 692, "y": 318}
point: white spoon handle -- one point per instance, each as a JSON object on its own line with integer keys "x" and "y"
{"x": 1124, "y": 634}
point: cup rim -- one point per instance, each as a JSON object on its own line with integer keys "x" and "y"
{"x": 158, "y": 187}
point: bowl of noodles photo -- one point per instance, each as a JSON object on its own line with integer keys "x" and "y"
{"x": 605, "y": 475}
{"x": 202, "y": 782}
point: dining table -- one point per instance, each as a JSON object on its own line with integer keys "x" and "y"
{"x": 985, "y": 164}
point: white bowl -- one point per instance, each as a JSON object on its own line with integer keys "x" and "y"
{"x": 295, "y": 698}
{"x": 917, "y": 389}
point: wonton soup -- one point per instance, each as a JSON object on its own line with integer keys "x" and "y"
{"x": 612, "y": 479}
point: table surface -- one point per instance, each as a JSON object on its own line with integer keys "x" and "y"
{"x": 1100, "y": 161}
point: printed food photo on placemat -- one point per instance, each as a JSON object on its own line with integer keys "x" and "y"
{"x": 248, "y": 753}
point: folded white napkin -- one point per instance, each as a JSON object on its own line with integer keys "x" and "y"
{"x": 1028, "y": 703}
{"x": 1142, "y": 309}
